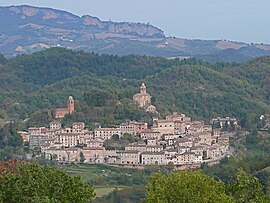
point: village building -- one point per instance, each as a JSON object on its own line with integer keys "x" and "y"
{"x": 65, "y": 155}
{"x": 61, "y": 112}
{"x": 195, "y": 127}
{"x": 93, "y": 143}
{"x": 184, "y": 142}
{"x": 150, "y": 134}
{"x": 143, "y": 99}
{"x": 68, "y": 139}
{"x": 151, "y": 142}
{"x": 222, "y": 122}
{"x": 111, "y": 156}
{"x": 24, "y": 135}
{"x": 164, "y": 126}
{"x": 156, "y": 148}
{"x": 150, "y": 158}
{"x": 78, "y": 126}
{"x": 55, "y": 125}
{"x": 106, "y": 133}
{"x": 133, "y": 127}
{"x": 136, "y": 147}
{"x": 213, "y": 153}
{"x": 216, "y": 132}
{"x": 182, "y": 149}
{"x": 170, "y": 153}
{"x": 128, "y": 157}
{"x": 205, "y": 137}
{"x": 186, "y": 158}
{"x": 93, "y": 154}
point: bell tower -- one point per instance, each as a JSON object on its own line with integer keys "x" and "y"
{"x": 71, "y": 104}
{"x": 143, "y": 88}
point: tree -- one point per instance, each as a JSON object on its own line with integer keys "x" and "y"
{"x": 115, "y": 137}
{"x": 253, "y": 137}
{"x": 246, "y": 189}
{"x": 82, "y": 158}
{"x": 186, "y": 186}
{"x": 32, "y": 183}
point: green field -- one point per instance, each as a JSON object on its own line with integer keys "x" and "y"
{"x": 100, "y": 175}
{"x": 103, "y": 191}
{"x": 129, "y": 183}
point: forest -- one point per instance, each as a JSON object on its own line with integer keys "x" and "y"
{"x": 103, "y": 85}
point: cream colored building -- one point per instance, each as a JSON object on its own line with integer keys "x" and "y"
{"x": 133, "y": 127}
{"x": 128, "y": 157}
{"x": 67, "y": 154}
{"x": 156, "y": 148}
{"x": 164, "y": 126}
{"x": 94, "y": 154}
{"x": 136, "y": 147}
{"x": 68, "y": 139}
{"x": 55, "y": 126}
{"x": 150, "y": 134}
{"x": 106, "y": 133}
{"x": 143, "y": 98}
{"x": 150, "y": 158}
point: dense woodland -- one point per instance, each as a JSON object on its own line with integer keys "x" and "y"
{"x": 103, "y": 85}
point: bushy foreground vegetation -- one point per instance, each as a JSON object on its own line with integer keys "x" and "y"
{"x": 186, "y": 186}
{"x": 24, "y": 182}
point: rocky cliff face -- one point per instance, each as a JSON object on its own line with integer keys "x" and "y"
{"x": 56, "y": 18}
{"x": 140, "y": 29}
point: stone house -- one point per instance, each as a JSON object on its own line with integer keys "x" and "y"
{"x": 106, "y": 133}
{"x": 133, "y": 127}
{"x": 128, "y": 157}
{"x": 157, "y": 158}
{"x": 150, "y": 134}
{"x": 94, "y": 154}
{"x": 141, "y": 147}
{"x": 156, "y": 148}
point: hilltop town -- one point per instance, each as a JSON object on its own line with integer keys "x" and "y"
{"x": 174, "y": 139}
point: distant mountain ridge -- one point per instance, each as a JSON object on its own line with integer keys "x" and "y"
{"x": 27, "y": 29}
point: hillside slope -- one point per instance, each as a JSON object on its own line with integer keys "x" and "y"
{"x": 32, "y": 84}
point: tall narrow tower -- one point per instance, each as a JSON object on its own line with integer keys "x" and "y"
{"x": 143, "y": 88}
{"x": 71, "y": 104}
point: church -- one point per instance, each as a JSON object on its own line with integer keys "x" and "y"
{"x": 61, "y": 112}
{"x": 143, "y": 99}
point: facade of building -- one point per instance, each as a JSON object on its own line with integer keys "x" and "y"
{"x": 61, "y": 112}
{"x": 143, "y": 98}
{"x": 150, "y": 158}
{"x": 133, "y": 127}
{"x": 106, "y": 133}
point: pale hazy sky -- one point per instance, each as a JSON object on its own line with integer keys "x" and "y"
{"x": 240, "y": 20}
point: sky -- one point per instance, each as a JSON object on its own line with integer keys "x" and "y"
{"x": 236, "y": 20}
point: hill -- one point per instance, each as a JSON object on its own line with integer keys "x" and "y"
{"x": 32, "y": 84}
{"x": 27, "y": 29}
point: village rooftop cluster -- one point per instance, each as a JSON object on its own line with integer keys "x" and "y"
{"x": 175, "y": 139}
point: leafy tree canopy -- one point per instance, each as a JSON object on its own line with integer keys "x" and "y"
{"x": 21, "y": 182}
{"x": 186, "y": 186}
